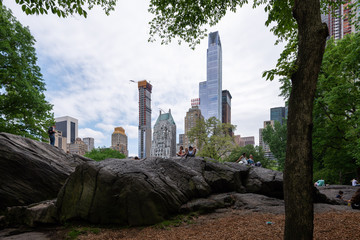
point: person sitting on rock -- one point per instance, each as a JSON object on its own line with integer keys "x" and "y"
{"x": 251, "y": 161}
{"x": 340, "y": 195}
{"x": 242, "y": 159}
{"x": 355, "y": 200}
{"x": 354, "y": 183}
{"x": 191, "y": 152}
{"x": 181, "y": 152}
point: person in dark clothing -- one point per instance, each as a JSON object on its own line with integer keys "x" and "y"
{"x": 355, "y": 200}
{"x": 51, "y": 132}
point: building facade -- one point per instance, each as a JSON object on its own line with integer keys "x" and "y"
{"x": 278, "y": 114}
{"x": 69, "y": 128}
{"x": 210, "y": 91}
{"x": 90, "y": 143}
{"x": 164, "y": 139}
{"x": 243, "y": 141}
{"x": 119, "y": 141}
{"x": 338, "y": 21}
{"x": 144, "y": 147}
{"x": 265, "y": 146}
{"x": 78, "y": 147}
{"x": 60, "y": 141}
{"x": 192, "y": 116}
{"x": 226, "y": 106}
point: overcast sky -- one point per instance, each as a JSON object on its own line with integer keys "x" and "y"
{"x": 87, "y": 64}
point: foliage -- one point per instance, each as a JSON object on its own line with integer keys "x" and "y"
{"x": 64, "y": 8}
{"x": 99, "y": 154}
{"x": 257, "y": 152}
{"x": 77, "y": 231}
{"x": 336, "y": 135}
{"x": 275, "y": 137}
{"x": 23, "y": 108}
{"x": 213, "y": 138}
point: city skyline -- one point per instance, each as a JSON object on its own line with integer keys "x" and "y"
{"x": 87, "y": 65}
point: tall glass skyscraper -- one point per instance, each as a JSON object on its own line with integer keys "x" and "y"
{"x": 210, "y": 91}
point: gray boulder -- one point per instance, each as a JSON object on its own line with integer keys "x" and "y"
{"x": 32, "y": 171}
{"x": 129, "y": 192}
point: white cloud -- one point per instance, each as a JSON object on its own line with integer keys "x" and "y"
{"x": 87, "y": 65}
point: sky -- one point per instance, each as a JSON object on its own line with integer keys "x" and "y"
{"x": 87, "y": 64}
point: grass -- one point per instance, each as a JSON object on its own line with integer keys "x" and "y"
{"x": 177, "y": 221}
{"x": 77, "y": 231}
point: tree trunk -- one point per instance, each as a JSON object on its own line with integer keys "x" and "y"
{"x": 298, "y": 172}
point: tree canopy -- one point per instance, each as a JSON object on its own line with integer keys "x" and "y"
{"x": 336, "y": 135}
{"x": 99, "y": 154}
{"x": 23, "y": 108}
{"x": 275, "y": 137}
{"x": 64, "y": 8}
{"x": 212, "y": 137}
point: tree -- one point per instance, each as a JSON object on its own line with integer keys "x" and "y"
{"x": 298, "y": 21}
{"x": 275, "y": 137}
{"x": 213, "y": 138}
{"x": 99, "y": 154}
{"x": 64, "y": 8}
{"x": 23, "y": 108}
{"x": 257, "y": 152}
{"x": 337, "y": 111}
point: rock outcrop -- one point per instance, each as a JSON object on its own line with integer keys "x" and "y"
{"x": 32, "y": 171}
{"x": 129, "y": 192}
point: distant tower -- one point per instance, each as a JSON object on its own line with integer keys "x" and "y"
{"x": 278, "y": 114}
{"x": 262, "y": 144}
{"x": 68, "y": 127}
{"x": 144, "y": 118}
{"x": 89, "y": 141}
{"x": 119, "y": 141}
{"x": 164, "y": 140}
{"x": 192, "y": 116}
{"x": 78, "y": 147}
{"x": 226, "y": 106}
{"x": 210, "y": 91}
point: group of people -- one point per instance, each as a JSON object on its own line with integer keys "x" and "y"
{"x": 248, "y": 161}
{"x": 354, "y": 202}
{"x": 188, "y": 152}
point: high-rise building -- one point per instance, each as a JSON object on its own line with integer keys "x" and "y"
{"x": 119, "y": 141}
{"x": 278, "y": 114}
{"x": 243, "y": 141}
{"x": 60, "y": 141}
{"x": 145, "y": 89}
{"x": 338, "y": 21}
{"x": 210, "y": 91}
{"x": 265, "y": 146}
{"x": 164, "y": 139}
{"x": 77, "y": 147}
{"x": 226, "y": 106}
{"x": 192, "y": 116}
{"x": 90, "y": 143}
{"x": 68, "y": 127}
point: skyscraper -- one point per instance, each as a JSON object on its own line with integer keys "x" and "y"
{"x": 278, "y": 114}
{"x": 69, "y": 128}
{"x": 338, "y": 21}
{"x": 226, "y": 106}
{"x": 145, "y": 89}
{"x": 119, "y": 141}
{"x": 210, "y": 91}
{"x": 192, "y": 116}
{"x": 164, "y": 140}
{"x": 89, "y": 141}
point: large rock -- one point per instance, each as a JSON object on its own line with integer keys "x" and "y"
{"x": 129, "y": 192}
{"x": 32, "y": 171}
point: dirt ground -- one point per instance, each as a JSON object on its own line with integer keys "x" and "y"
{"x": 331, "y": 222}
{"x": 339, "y": 223}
